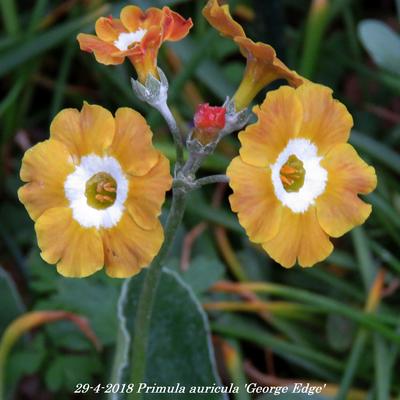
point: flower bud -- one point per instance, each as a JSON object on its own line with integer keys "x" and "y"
{"x": 208, "y": 122}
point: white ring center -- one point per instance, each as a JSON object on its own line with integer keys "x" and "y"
{"x": 126, "y": 39}
{"x": 75, "y": 187}
{"x": 314, "y": 180}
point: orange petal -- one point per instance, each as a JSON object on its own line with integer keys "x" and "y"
{"x": 326, "y": 121}
{"x": 104, "y": 52}
{"x": 129, "y": 248}
{"x": 175, "y": 27}
{"x": 108, "y": 29}
{"x": 132, "y": 145}
{"x": 147, "y": 194}
{"x": 253, "y": 198}
{"x": 301, "y": 238}
{"x": 45, "y": 167}
{"x": 77, "y": 251}
{"x": 220, "y": 18}
{"x": 293, "y": 78}
{"x": 132, "y": 18}
{"x": 154, "y": 17}
{"x": 85, "y": 132}
{"x": 279, "y": 119}
{"x": 262, "y": 68}
{"x": 260, "y": 52}
{"x": 265, "y": 62}
{"x": 152, "y": 40}
{"x": 339, "y": 209}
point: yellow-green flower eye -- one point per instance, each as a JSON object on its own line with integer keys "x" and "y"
{"x": 292, "y": 174}
{"x": 101, "y": 191}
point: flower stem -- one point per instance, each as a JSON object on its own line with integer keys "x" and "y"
{"x": 148, "y": 294}
{"x": 175, "y": 131}
{"x": 220, "y": 178}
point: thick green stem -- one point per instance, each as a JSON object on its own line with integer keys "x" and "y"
{"x": 148, "y": 294}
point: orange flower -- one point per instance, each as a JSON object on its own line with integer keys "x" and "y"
{"x": 95, "y": 191}
{"x": 296, "y": 181}
{"x": 137, "y": 35}
{"x": 262, "y": 66}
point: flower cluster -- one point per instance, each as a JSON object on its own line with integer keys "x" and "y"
{"x": 95, "y": 189}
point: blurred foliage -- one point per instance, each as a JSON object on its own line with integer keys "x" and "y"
{"x": 313, "y": 329}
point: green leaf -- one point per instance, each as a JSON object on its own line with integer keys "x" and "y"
{"x": 382, "y": 44}
{"x": 179, "y": 349}
{"x": 26, "y": 50}
{"x": 202, "y": 273}
{"x": 10, "y": 300}
{"x": 382, "y": 369}
{"x": 66, "y": 371}
{"x": 208, "y": 72}
{"x": 368, "y": 268}
{"x": 62, "y": 293}
{"x": 10, "y": 16}
{"x": 99, "y": 305}
{"x": 42, "y": 277}
{"x": 377, "y": 150}
{"x": 340, "y": 332}
{"x": 26, "y": 360}
{"x": 218, "y": 216}
{"x": 321, "y": 364}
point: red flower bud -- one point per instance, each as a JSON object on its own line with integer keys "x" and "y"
{"x": 209, "y": 117}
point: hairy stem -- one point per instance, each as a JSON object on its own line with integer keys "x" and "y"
{"x": 221, "y": 178}
{"x": 175, "y": 131}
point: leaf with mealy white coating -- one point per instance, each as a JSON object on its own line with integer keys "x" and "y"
{"x": 382, "y": 44}
{"x": 179, "y": 349}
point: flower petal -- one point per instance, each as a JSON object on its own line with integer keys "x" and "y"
{"x": 326, "y": 121}
{"x": 105, "y": 53}
{"x": 253, "y": 198}
{"x": 132, "y": 145}
{"x": 147, "y": 194}
{"x": 300, "y": 237}
{"x": 132, "y": 17}
{"x": 150, "y": 43}
{"x": 45, "y": 167}
{"x": 77, "y": 251}
{"x": 108, "y": 29}
{"x": 154, "y": 17}
{"x": 258, "y": 52}
{"x": 86, "y": 132}
{"x": 220, "y": 18}
{"x": 339, "y": 208}
{"x": 279, "y": 119}
{"x": 175, "y": 27}
{"x": 129, "y": 248}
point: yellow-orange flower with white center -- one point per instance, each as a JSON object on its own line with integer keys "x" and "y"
{"x": 297, "y": 180}
{"x": 262, "y": 67}
{"x": 95, "y": 191}
{"x": 137, "y": 35}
